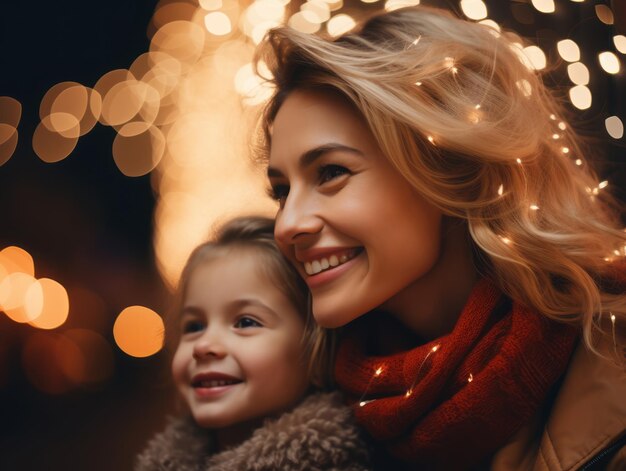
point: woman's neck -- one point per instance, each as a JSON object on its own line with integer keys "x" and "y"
{"x": 431, "y": 305}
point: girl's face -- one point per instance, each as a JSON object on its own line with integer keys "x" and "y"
{"x": 351, "y": 224}
{"x": 239, "y": 358}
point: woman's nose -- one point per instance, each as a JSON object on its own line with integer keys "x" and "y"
{"x": 298, "y": 217}
{"x": 209, "y": 345}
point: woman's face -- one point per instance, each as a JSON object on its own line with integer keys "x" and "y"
{"x": 351, "y": 224}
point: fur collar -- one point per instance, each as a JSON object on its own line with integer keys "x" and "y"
{"x": 318, "y": 434}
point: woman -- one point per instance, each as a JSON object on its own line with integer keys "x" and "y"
{"x": 431, "y": 197}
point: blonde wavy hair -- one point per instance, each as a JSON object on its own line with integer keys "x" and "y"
{"x": 471, "y": 127}
{"x": 256, "y": 235}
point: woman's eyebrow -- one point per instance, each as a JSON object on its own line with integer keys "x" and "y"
{"x": 310, "y": 156}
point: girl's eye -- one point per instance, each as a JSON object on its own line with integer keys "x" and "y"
{"x": 279, "y": 193}
{"x": 246, "y": 323}
{"x": 330, "y": 172}
{"x": 190, "y": 327}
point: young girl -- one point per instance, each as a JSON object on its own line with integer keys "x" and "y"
{"x": 438, "y": 205}
{"x": 246, "y": 357}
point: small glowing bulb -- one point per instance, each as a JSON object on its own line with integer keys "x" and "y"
{"x": 603, "y": 184}
{"x": 578, "y": 162}
{"x": 616, "y": 252}
{"x": 519, "y": 161}
{"x": 501, "y": 190}
{"x": 562, "y": 126}
{"x": 470, "y": 378}
{"x": 477, "y": 107}
{"x": 408, "y": 393}
{"x": 419, "y": 84}
{"x": 565, "y": 150}
{"x": 414, "y": 43}
{"x": 506, "y": 240}
{"x": 431, "y": 140}
{"x": 435, "y": 348}
{"x": 362, "y": 403}
{"x": 553, "y": 117}
{"x": 534, "y": 207}
{"x": 449, "y": 62}
{"x": 379, "y": 370}
{"x": 555, "y": 136}
{"x": 612, "y": 317}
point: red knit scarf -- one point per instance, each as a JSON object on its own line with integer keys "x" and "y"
{"x": 451, "y": 403}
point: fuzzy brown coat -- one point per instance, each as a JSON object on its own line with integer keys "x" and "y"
{"x": 319, "y": 434}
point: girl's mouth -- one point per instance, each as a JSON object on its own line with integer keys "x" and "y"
{"x": 326, "y": 263}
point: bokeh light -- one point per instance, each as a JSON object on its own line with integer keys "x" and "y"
{"x": 139, "y": 331}
{"x": 8, "y": 142}
{"x": 568, "y": 50}
{"x": 47, "y": 304}
{"x": 218, "y": 23}
{"x": 10, "y": 111}
{"x": 544, "y": 6}
{"x": 391, "y": 5}
{"x": 536, "y": 56}
{"x": 10, "y": 115}
{"x": 580, "y": 96}
{"x": 56, "y": 137}
{"x": 15, "y": 259}
{"x": 609, "y": 62}
{"x": 340, "y": 24}
{"x": 620, "y": 43}
{"x": 181, "y": 40}
{"x": 474, "y": 9}
{"x": 578, "y": 73}
{"x": 614, "y": 126}
{"x": 604, "y": 14}
{"x": 13, "y": 289}
{"x": 138, "y": 148}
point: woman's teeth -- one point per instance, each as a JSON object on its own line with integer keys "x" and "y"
{"x": 317, "y": 266}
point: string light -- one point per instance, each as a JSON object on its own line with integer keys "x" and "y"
{"x": 506, "y": 240}
{"x": 519, "y": 161}
{"x": 431, "y": 139}
{"x": 612, "y": 317}
{"x": 449, "y": 64}
{"x": 565, "y": 150}
{"x": 377, "y": 372}
{"x": 500, "y": 190}
{"x": 534, "y": 207}
{"x": 409, "y": 391}
{"x": 470, "y": 378}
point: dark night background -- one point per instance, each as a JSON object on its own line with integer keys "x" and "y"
{"x": 90, "y": 227}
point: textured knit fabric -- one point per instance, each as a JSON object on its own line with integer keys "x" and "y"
{"x": 319, "y": 434}
{"x": 452, "y": 402}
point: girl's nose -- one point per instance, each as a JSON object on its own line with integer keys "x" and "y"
{"x": 209, "y": 345}
{"x": 298, "y": 218}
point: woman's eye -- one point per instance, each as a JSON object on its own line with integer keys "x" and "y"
{"x": 330, "y": 172}
{"x": 246, "y": 323}
{"x": 190, "y": 327}
{"x": 279, "y": 193}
